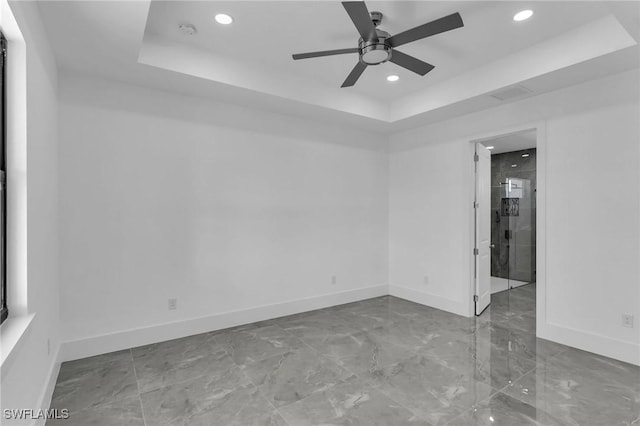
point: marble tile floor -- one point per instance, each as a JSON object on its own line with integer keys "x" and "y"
{"x": 382, "y": 361}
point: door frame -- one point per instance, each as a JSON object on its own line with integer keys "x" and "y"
{"x": 541, "y": 213}
{"x": 480, "y": 251}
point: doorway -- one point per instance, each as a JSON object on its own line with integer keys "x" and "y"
{"x": 505, "y": 210}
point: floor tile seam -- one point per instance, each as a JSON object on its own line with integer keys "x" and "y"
{"x": 534, "y": 405}
{"x": 180, "y": 359}
{"x": 508, "y": 385}
{"x": 326, "y": 357}
{"x": 262, "y": 396}
{"x": 414, "y": 352}
{"x": 329, "y": 359}
{"x": 513, "y": 328}
{"x": 135, "y": 374}
{"x": 340, "y": 314}
{"x": 288, "y": 404}
{"x": 524, "y": 359}
{"x": 425, "y": 355}
{"x": 123, "y": 359}
{"x": 336, "y": 361}
{"x": 277, "y": 410}
{"x": 104, "y": 402}
{"x": 342, "y": 381}
{"x": 379, "y": 389}
{"x": 377, "y": 343}
{"x": 319, "y": 355}
{"x": 454, "y": 418}
{"x": 246, "y": 404}
{"x": 288, "y": 349}
{"x": 152, "y": 346}
{"x": 476, "y": 405}
{"x": 558, "y": 354}
{"x": 260, "y": 359}
{"x": 179, "y": 382}
{"x": 242, "y": 367}
{"x": 588, "y": 378}
{"x": 411, "y": 353}
{"x": 300, "y": 339}
{"x": 102, "y": 405}
{"x": 494, "y": 391}
{"x": 91, "y": 370}
{"x": 408, "y": 356}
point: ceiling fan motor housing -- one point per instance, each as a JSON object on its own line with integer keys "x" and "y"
{"x": 375, "y": 52}
{"x": 377, "y": 47}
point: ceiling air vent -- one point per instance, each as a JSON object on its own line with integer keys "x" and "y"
{"x": 511, "y": 93}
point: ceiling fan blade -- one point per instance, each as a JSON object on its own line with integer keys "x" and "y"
{"x": 354, "y": 75}
{"x": 410, "y": 63}
{"x": 438, "y": 26}
{"x": 359, "y": 14}
{"x": 297, "y": 56}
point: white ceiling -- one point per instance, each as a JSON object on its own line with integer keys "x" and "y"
{"x": 249, "y": 61}
{"x": 267, "y": 33}
{"x": 512, "y": 142}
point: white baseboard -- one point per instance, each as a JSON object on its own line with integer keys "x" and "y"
{"x": 596, "y": 343}
{"x": 431, "y": 300}
{"x": 47, "y": 393}
{"x": 96, "y": 345}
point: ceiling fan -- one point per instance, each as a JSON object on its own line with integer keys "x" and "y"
{"x": 376, "y": 46}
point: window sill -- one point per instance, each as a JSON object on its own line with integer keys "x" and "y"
{"x": 12, "y": 335}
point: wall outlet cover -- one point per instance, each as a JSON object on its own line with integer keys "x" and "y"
{"x": 627, "y": 320}
{"x": 173, "y": 304}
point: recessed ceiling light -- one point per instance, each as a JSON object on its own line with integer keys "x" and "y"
{"x": 490, "y": 147}
{"x": 393, "y": 77}
{"x": 523, "y": 15}
{"x": 525, "y": 155}
{"x": 514, "y": 165}
{"x": 223, "y": 18}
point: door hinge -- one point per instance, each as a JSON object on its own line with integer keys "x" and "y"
{"x": 476, "y": 157}
{"x": 476, "y": 252}
{"x": 476, "y": 205}
{"x": 475, "y": 298}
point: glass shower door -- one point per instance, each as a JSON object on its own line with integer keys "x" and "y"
{"x": 519, "y": 208}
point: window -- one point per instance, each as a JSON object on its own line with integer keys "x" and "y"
{"x": 3, "y": 179}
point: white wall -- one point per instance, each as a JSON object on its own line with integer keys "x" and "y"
{"x": 26, "y": 382}
{"x": 224, "y": 208}
{"x": 591, "y": 150}
{"x": 593, "y": 175}
{"x": 166, "y": 196}
{"x": 428, "y": 225}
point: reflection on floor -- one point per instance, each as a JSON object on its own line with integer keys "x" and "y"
{"x": 382, "y": 361}
{"x": 502, "y": 284}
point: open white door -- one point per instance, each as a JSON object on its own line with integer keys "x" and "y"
{"x": 482, "y": 210}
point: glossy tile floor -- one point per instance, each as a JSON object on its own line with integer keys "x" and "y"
{"x": 382, "y": 361}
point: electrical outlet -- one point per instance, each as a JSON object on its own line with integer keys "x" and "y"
{"x": 334, "y": 280}
{"x": 173, "y": 304}
{"x": 627, "y": 320}
{"x": 425, "y": 280}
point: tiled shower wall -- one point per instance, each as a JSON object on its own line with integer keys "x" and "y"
{"x": 521, "y": 246}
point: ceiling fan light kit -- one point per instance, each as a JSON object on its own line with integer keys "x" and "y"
{"x": 376, "y": 46}
{"x": 375, "y": 52}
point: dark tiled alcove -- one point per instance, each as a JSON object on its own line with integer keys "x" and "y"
{"x": 513, "y": 257}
